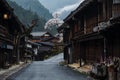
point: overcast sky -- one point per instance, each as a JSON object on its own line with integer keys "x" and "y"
{"x": 54, "y": 5}
{"x": 62, "y": 7}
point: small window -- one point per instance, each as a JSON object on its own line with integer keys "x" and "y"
{"x": 116, "y": 1}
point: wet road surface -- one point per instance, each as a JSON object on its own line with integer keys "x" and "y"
{"x": 48, "y": 70}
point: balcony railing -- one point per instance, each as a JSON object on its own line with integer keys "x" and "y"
{"x": 7, "y": 36}
{"x": 4, "y": 33}
{"x": 87, "y": 30}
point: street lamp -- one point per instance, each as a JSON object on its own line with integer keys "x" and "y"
{"x": 5, "y": 16}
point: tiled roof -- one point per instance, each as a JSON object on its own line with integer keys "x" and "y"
{"x": 81, "y": 6}
{"x": 46, "y": 43}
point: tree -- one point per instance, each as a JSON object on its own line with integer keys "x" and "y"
{"x": 21, "y": 35}
{"x": 54, "y": 22}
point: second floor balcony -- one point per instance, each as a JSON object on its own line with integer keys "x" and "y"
{"x": 4, "y": 34}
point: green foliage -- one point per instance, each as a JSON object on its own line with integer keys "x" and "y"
{"x": 35, "y": 6}
{"x": 26, "y": 16}
{"x": 31, "y": 11}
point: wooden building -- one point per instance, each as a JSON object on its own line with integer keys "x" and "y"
{"x": 41, "y": 36}
{"x": 92, "y": 31}
{"x": 44, "y": 51}
{"x": 10, "y": 26}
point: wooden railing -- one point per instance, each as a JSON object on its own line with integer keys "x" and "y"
{"x": 88, "y": 30}
{"x": 4, "y": 33}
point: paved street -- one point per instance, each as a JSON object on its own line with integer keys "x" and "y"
{"x": 48, "y": 70}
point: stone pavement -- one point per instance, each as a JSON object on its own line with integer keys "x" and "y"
{"x": 4, "y": 73}
{"x": 48, "y": 70}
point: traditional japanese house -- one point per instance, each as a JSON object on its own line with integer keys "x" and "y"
{"x": 92, "y": 31}
{"x": 32, "y": 50}
{"x": 44, "y": 51}
{"x": 41, "y": 36}
{"x": 9, "y": 27}
{"x": 65, "y": 29}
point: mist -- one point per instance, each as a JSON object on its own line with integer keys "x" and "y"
{"x": 68, "y": 8}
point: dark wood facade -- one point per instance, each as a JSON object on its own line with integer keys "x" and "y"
{"x": 93, "y": 31}
{"x": 9, "y": 27}
{"x": 41, "y": 36}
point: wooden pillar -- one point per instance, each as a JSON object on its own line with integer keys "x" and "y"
{"x": 85, "y": 25}
{"x": 104, "y": 10}
{"x": 105, "y": 49}
{"x": 80, "y": 54}
{"x": 0, "y": 58}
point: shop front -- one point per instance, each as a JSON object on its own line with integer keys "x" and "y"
{"x": 6, "y": 55}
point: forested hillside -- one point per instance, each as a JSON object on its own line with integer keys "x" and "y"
{"x": 57, "y": 4}
{"x": 34, "y": 6}
{"x": 26, "y": 16}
